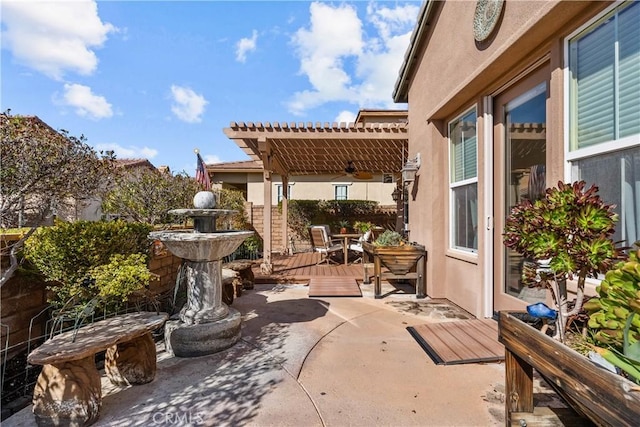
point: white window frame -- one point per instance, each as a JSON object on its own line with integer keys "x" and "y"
{"x": 459, "y": 184}
{"x": 279, "y": 194}
{"x": 335, "y": 191}
{"x": 597, "y": 149}
{"x": 572, "y": 156}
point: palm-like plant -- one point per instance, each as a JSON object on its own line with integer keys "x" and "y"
{"x": 569, "y": 231}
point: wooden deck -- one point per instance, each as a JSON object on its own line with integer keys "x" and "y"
{"x": 300, "y": 267}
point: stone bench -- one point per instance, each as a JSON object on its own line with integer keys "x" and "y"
{"x": 243, "y": 267}
{"x": 68, "y": 390}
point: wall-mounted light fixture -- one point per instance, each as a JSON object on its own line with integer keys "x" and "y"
{"x": 410, "y": 168}
{"x": 397, "y": 193}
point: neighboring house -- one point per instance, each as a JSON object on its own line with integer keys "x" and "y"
{"x": 246, "y": 176}
{"x": 91, "y": 210}
{"x": 507, "y": 98}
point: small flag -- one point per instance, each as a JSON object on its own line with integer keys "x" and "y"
{"x": 202, "y": 176}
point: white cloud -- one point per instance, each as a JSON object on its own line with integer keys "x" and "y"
{"x": 246, "y": 45}
{"x": 348, "y": 60}
{"x": 54, "y": 37}
{"x": 188, "y": 106}
{"x": 211, "y": 158}
{"x": 85, "y": 102}
{"x": 130, "y": 152}
{"x": 346, "y": 116}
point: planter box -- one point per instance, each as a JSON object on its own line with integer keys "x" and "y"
{"x": 400, "y": 260}
{"x": 600, "y": 395}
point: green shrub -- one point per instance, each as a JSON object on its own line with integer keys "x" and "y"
{"x": 303, "y": 213}
{"x": 121, "y": 277}
{"x": 66, "y": 253}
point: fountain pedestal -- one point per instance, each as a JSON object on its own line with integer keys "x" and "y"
{"x": 204, "y": 298}
{"x": 206, "y": 325}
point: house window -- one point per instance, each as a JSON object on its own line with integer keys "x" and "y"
{"x": 604, "y": 113}
{"x": 463, "y": 167}
{"x": 279, "y": 191}
{"x": 340, "y": 192}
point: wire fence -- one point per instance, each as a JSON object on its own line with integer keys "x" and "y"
{"x": 18, "y": 377}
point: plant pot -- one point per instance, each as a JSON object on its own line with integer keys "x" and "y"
{"x": 602, "y": 396}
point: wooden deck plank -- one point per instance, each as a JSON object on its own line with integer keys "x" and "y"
{"x": 322, "y": 286}
{"x": 300, "y": 267}
{"x": 463, "y": 341}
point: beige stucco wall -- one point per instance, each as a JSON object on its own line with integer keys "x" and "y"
{"x": 455, "y": 73}
{"x": 320, "y": 187}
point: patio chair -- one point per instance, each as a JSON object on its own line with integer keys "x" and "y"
{"x": 356, "y": 245}
{"x": 321, "y": 242}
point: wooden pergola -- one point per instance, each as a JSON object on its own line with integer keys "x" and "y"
{"x": 291, "y": 149}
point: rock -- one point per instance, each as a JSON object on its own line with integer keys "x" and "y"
{"x": 244, "y": 269}
{"x": 132, "y": 362}
{"x": 68, "y": 394}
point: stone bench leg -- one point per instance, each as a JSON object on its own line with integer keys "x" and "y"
{"x": 131, "y": 362}
{"x": 68, "y": 393}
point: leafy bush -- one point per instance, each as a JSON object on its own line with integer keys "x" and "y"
{"x": 233, "y": 200}
{"x": 121, "y": 277}
{"x": 67, "y": 253}
{"x": 147, "y": 195}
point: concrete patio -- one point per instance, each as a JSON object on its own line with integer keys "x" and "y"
{"x": 312, "y": 362}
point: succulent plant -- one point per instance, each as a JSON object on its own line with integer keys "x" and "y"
{"x": 389, "y": 238}
{"x": 569, "y": 229}
{"x": 619, "y": 299}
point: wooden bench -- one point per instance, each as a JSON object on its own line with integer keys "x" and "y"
{"x": 69, "y": 391}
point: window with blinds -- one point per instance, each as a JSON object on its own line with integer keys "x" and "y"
{"x": 604, "y": 113}
{"x": 463, "y": 161}
{"x": 604, "y": 62}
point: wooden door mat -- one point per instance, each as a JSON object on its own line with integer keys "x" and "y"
{"x": 460, "y": 341}
{"x": 334, "y": 287}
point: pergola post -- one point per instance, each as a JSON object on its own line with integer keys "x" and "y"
{"x": 265, "y": 151}
{"x": 285, "y": 215}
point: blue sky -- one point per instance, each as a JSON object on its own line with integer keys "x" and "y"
{"x": 156, "y": 80}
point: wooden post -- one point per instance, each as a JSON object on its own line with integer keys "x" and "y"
{"x": 421, "y": 280}
{"x": 285, "y": 215}
{"x": 377, "y": 270}
{"x": 518, "y": 385}
{"x": 266, "y": 266}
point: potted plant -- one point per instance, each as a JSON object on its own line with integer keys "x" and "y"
{"x": 565, "y": 235}
{"x": 344, "y": 226}
{"x": 391, "y": 250}
{"x": 362, "y": 226}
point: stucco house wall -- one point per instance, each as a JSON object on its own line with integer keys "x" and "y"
{"x": 453, "y": 72}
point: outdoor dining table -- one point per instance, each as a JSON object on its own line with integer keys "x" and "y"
{"x": 345, "y": 243}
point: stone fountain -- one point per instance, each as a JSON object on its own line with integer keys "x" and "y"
{"x": 206, "y": 325}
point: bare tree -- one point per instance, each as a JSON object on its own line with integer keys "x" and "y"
{"x": 42, "y": 170}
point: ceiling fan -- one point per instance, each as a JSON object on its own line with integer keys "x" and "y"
{"x": 351, "y": 170}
